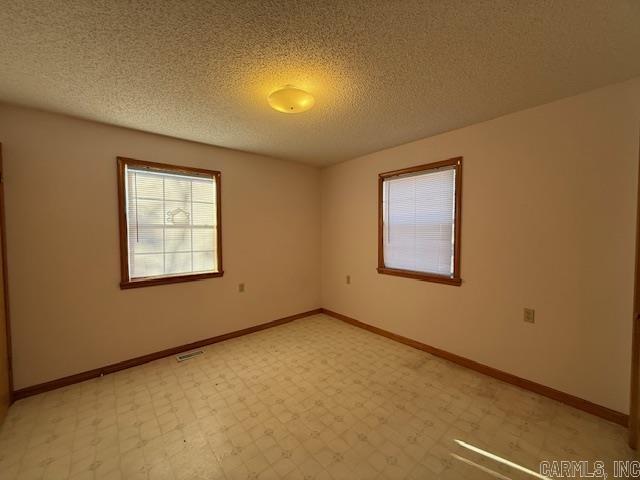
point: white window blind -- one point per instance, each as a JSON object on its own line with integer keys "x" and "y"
{"x": 171, "y": 223}
{"x": 419, "y": 221}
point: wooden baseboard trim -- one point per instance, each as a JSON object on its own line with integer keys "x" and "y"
{"x": 115, "y": 367}
{"x": 576, "y": 402}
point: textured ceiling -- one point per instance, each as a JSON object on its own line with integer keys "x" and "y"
{"x": 383, "y": 72}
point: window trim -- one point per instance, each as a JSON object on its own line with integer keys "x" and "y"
{"x": 125, "y": 281}
{"x": 455, "y": 279}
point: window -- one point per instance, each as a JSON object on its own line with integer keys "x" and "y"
{"x": 169, "y": 223}
{"x": 419, "y": 222}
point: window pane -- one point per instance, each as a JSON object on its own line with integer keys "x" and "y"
{"x": 177, "y": 240}
{"x": 204, "y": 261}
{"x": 203, "y": 214}
{"x": 147, "y": 185}
{"x": 418, "y": 216}
{"x": 203, "y": 191}
{"x": 177, "y": 263}
{"x": 144, "y": 239}
{"x": 171, "y": 221}
{"x": 176, "y": 188}
{"x": 146, "y": 212}
{"x": 203, "y": 238}
{"x": 177, "y": 213}
{"x": 147, "y": 265}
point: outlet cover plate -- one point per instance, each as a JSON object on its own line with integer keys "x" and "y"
{"x": 529, "y": 315}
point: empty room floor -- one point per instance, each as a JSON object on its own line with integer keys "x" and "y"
{"x": 312, "y": 399}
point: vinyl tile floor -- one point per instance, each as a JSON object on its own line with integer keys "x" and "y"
{"x": 312, "y": 399}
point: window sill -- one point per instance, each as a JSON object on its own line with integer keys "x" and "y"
{"x": 425, "y": 277}
{"x": 149, "y": 282}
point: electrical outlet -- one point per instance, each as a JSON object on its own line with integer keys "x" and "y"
{"x": 348, "y": 279}
{"x": 241, "y": 287}
{"x": 529, "y": 315}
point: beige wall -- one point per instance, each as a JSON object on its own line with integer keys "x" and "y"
{"x": 68, "y": 313}
{"x": 548, "y": 223}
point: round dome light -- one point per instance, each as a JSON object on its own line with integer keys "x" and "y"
{"x": 291, "y": 100}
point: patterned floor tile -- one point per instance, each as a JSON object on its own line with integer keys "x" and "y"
{"x": 314, "y": 399}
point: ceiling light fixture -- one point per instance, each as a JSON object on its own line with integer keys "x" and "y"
{"x": 290, "y": 99}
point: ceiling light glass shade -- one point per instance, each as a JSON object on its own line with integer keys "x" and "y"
{"x": 291, "y": 100}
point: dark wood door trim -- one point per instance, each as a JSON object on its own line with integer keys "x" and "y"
{"x": 5, "y": 277}
{"x": 634, "y": 407}
{"x": 635, "y": 371}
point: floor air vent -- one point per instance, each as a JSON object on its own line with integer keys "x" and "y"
{"x": 187, "y": 355}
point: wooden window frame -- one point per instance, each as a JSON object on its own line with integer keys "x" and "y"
{"x": 125, "y": 281}
{"x": 455, "y": 279}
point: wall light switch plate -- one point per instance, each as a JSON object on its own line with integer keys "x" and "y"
{"x": 241, "y": 287}
{"x": 529, "y": 315}
{"x": 348, "y": 279}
